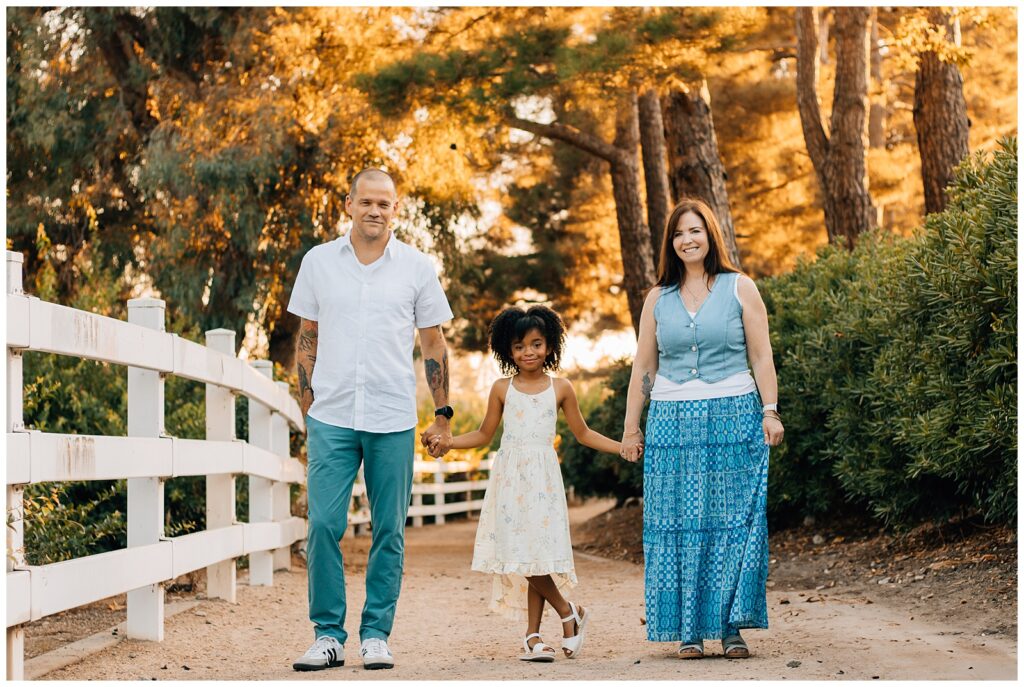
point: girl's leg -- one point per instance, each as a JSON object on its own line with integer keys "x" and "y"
{"x": 547, "y": 588}
{"x": 535, "y": 611}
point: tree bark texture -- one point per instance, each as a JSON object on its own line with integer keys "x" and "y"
{"x": 622, "y": 156}
{"x": 695, "y": 166}
{"x": 838, "y": 157}
{"x": 655, "y": 159}
{"x": 879, "y": 88}
{"x": 823, "y": 36}
{"x": 940, "y": 117}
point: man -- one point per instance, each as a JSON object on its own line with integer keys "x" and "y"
{"x": 360, "y": 298}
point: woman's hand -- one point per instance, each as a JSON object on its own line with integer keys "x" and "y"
{"x": 632, "y": 446}
{"x": 773, "y": 430}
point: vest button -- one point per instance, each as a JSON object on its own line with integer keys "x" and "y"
{"x": 693, "y": 372}
{"x": 692, "y": 325}
{"x": 693, "y": 348}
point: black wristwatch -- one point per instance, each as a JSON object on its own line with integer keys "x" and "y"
{"x": 446, "y": 411}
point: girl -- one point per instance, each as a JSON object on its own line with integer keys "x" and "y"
{"x": 523, "y": 535}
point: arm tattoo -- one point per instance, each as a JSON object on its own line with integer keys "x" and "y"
{"x": 306, "y": 356}
{"x": 647, "y": 385}
{"x": 308, "y": 339}
{"x": 437, "y": 377}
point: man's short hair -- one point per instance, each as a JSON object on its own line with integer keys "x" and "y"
{"x": 370, "y": 172}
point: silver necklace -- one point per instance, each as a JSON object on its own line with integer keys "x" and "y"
{"x": 697, "y": 300}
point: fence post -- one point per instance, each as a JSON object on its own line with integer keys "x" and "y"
{"x": 15, "y": 509}
{"x": 439, "y": 489}
{"x": 280, "y": 436}
{"x": 417, "y": 498}
{"x": 261, "y": 495}
{"x": 220, "y": 489}
{"x": 146, "y": 494}
{"x": 360, "y": 501}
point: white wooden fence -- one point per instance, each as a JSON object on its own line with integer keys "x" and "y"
{"x": 147, "y": 457}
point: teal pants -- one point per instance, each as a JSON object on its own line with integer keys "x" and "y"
{"x": 334, "y": 457}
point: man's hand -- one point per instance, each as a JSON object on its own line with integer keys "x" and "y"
{"x": 437, "y": 438}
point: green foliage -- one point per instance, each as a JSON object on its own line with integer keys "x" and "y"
{"x": 595, "y": 473}
{"x": 897, "y": 364}
{"x": 73, "y": 519}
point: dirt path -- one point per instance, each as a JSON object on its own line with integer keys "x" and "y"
{"x": 444, "y": 631}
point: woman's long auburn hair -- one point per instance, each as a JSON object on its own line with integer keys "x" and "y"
{"x": 670, "y": 267}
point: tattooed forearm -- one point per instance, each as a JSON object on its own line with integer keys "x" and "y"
{"x": 437, "y": 378}
{"x": 308, "y": 339}
{"x": 647, "y": 385}
{"x": 305, "y": 359}
{"x": 435, "y": 363}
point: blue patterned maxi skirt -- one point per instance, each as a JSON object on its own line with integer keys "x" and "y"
{"x": 705, "y": 529}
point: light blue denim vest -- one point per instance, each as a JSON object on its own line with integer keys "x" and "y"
{"x": 710, "y": 346}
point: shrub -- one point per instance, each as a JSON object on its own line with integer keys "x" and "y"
{"x": 897, "y": 364}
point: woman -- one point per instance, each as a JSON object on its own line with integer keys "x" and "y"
{"x": 708, "y": 431}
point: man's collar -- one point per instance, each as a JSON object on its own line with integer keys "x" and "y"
{"x": 345, "y": 242}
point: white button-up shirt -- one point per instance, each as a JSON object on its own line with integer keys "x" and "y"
{"x": 363, "y": 378}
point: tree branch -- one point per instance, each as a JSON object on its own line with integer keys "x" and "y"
{"x": 568, "y": 134}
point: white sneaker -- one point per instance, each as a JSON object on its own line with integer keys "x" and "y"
{"x": 326, "y": 652}
{"x": 376, "y": 654}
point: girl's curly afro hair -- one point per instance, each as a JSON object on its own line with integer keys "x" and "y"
{"x": 512, "y": 324}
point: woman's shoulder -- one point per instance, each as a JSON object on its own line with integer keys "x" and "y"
{"x": 745, "y": 289}
{"x": 656, "y": 292}
{"x": 744, "y": 283}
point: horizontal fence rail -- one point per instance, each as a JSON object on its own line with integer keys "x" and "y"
{"x": 147, "y": 457}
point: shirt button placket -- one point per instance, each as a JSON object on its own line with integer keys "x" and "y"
{"x": 360, "y": 404}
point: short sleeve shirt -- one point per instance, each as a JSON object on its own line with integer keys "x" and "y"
{"x": 363, "y": 378}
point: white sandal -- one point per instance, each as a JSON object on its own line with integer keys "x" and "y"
{"x": 573, "y": 645}
{"x": 538, "y": 653}
{"x": 691, "y": 650}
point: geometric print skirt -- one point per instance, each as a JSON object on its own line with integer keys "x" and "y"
{"x": 705, "y": 528}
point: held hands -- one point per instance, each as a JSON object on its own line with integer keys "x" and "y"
{"x": 632, "y": 446}
{"x": 437, "y": 438}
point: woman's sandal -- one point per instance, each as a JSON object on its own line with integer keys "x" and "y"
{"x": 539, "y": 653}
{"x": 573, "y": 645}
{"x": 735, "y": 647}
{"x": 691, "y": 649}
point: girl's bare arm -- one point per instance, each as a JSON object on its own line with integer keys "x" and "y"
{"x": 571, "y": 407}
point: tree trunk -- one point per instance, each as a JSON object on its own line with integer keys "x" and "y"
{"x": 879, "y": 88}
{"x": 652, "y": 145}
{"x": 823, "y": 36}
{"x": 281, "y": 334}
{"x": 695, "y": 167}
{"x": 634, "y": 234}
{"x": 838, "y": 158}
{"x": 940, "y": 117}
